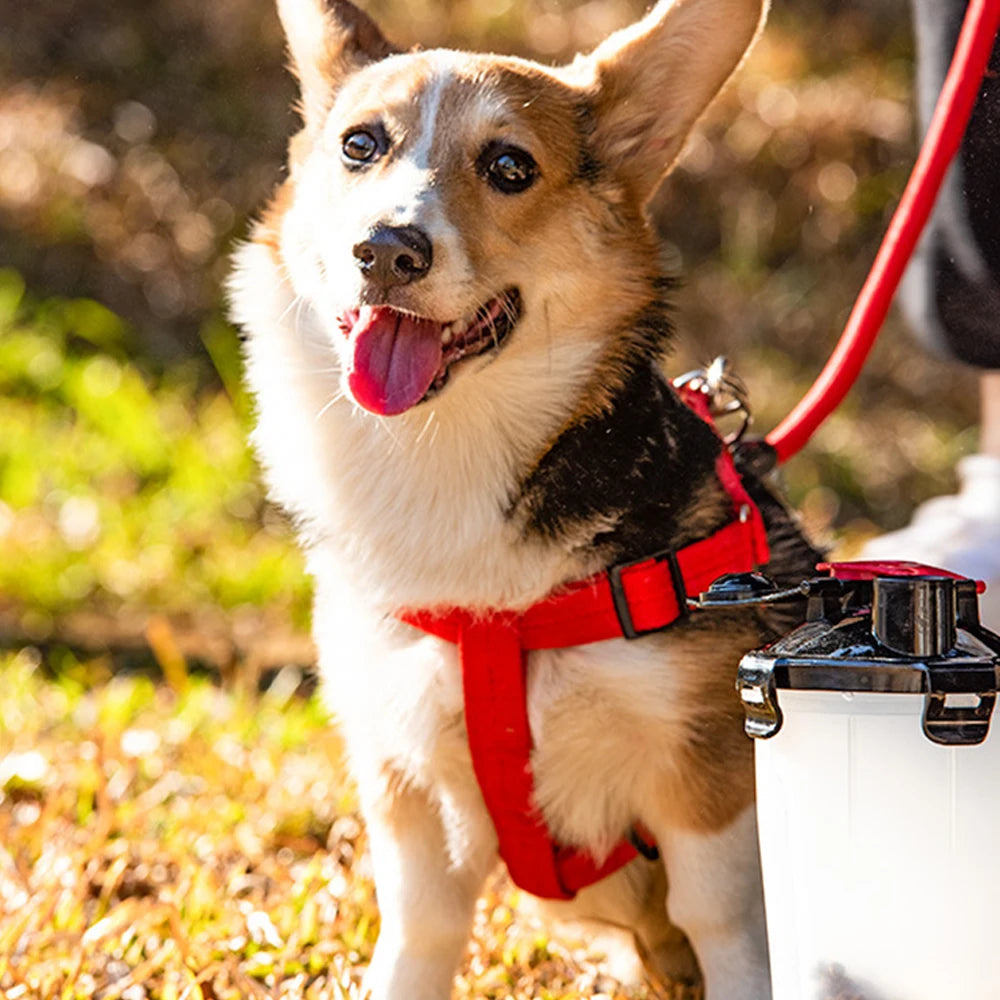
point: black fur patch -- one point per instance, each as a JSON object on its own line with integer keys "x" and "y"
{"x": 652, "y": 331}
{"x": 639, "y": 476}
{"x": 637, "y": 465}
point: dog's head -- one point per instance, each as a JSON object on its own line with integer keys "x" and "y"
{"x": 448, "y": 211}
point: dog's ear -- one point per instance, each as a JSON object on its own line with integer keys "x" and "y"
{"x": 328, "y": 40}
{"x": 652, "y": 81}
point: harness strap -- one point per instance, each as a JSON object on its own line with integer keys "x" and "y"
{"x": 628, "y": 600}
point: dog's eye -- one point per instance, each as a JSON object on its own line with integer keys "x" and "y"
{"x": 508, "y": 169}
{"x": 360, "y": 147}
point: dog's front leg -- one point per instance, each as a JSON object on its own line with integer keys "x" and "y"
{"x": 715, "y": 897}
{"x": 427, "y": 887}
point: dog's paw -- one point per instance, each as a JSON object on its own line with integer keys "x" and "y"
{"x": 407, "y": 977}
{"x": 671, "y": 961}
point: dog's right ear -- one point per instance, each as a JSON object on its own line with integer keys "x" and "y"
{"x": 328, "y": 40}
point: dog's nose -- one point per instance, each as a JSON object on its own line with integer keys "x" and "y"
{"x": 394, "y": 255}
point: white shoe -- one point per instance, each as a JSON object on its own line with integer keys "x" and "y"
{"x": 960, "y": 533}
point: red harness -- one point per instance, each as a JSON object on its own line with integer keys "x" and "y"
{"x": 646, "y": 596}
{"x": 628, "y": 600}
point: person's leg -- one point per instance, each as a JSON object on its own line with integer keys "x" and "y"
{"x": 951, "y": 296}
{"x": 951, "y": 291}
{"x": 989, "y": 435}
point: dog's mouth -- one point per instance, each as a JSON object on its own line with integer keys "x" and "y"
{"x": 399, "y": 359}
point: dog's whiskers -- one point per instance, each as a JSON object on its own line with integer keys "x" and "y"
{"x": 332, "y": 401}
{"x": 297, "y": 322}
{"x": 427, "y": 426}
{"x": 548, "y": 334}
{"x": 510, "y": 313}
{"x": 296, "y": 301}
{"x": 358, "y": 413}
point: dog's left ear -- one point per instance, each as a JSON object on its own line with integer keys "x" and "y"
{"x": 328, "y": 40}
{"x": 652, "y": 81}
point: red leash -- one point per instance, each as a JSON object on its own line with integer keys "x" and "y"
{"x": 944, "y": 136}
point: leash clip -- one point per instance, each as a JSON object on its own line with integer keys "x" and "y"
{"x": 724, "y": 391}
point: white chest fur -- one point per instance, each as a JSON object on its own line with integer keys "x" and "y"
{"x": 416, "y": 505}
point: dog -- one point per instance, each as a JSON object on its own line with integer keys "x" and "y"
{"x": 456, "y": 323}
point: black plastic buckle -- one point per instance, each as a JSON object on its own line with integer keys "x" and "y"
{"x": 645, "y": 847}
{"x": 622, "y": 609}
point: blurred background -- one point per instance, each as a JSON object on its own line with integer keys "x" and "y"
{"x": 136, "y": 140}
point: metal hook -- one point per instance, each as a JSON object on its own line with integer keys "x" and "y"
{"x": 726, "y": 393}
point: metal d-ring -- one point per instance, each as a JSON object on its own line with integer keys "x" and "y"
{"x": 726, "y": 393}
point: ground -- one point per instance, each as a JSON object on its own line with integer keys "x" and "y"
{"x": 185, "y": 840}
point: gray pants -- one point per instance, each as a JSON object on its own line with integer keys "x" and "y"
{"x": 951, "y": 291}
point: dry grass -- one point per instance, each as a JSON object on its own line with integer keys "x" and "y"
{"x": 195, "y": 842}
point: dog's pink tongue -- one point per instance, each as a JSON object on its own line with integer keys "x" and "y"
{"x": 395, "y": 359}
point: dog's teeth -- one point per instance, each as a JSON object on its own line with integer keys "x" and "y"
{"x": 458, "y": 335}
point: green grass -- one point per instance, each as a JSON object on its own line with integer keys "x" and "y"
{"x": 124, "y": 489}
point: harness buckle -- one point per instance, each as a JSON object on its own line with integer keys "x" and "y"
{"x": 620, "y": 598}
{"x": 643, "y": 843}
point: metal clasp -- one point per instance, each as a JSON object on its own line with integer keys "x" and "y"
{"x": 972, "y": 690}
{"x": 757, "y": 690}
{"x": 726, "y": 393}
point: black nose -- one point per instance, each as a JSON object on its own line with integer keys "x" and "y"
{"x": 394, "y": 255}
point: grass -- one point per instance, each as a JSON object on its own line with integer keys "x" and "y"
{"x": 124, "y": 490}
{"x": 169, "y": 844}
{"x": 203, "y": 843}
{"x": 147, "y": 494}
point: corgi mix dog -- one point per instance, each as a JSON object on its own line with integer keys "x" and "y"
{"x": 456, "y": 323}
